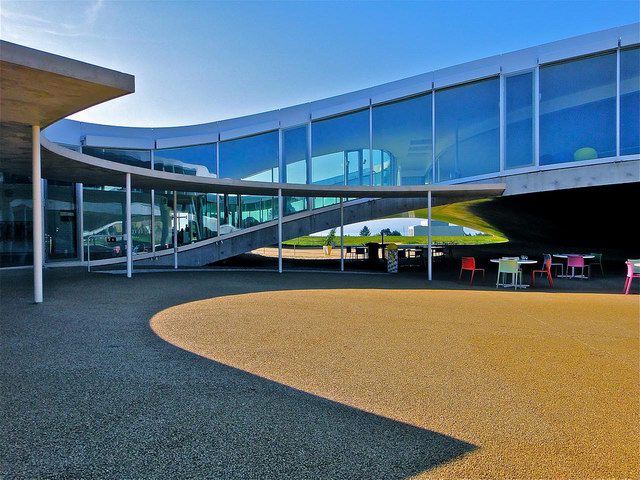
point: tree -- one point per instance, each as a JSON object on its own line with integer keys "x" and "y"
{"x": 385, "y": 231}
{"x": 395, "y": 233}
{"x": 365, "y": 231}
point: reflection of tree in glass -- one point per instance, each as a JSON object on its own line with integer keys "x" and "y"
{"x": 365, "y": 231}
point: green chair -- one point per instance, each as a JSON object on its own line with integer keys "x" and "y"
{"x": 596, "y": 260}
{"x": 509, "y": 267}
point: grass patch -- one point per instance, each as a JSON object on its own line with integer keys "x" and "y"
{"x": 309, "y": 241}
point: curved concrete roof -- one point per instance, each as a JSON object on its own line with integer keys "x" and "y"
{"x": 39, "y": 88}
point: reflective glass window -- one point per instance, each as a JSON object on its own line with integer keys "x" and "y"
{"x": 402, "y": 134}
{"x": 60, "y": 237}
{"x": 294, "y": 156}
{"x": 197, "y": 160}
{"x": 340, "y": 152}
{"x": 136, "y": 158}
{"x": 250, "y": 158}
{"x": 468, "y": 130}
{"x": 519, "y": 93}
{"x": 578, "y": 110}
{"x": 630, "y": 101}
{"x": 16, "y": 220}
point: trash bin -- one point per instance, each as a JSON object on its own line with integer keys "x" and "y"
{"x": 372, "y": 249}
{"x": 392, "y": 258}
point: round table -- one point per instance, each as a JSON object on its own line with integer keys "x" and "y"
{"x": 567, "y": 255}
{"x": 521, "y": 261}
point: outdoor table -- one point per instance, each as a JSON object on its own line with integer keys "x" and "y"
{"x": 567, "y": 255}
{"x": 520, "y": 262}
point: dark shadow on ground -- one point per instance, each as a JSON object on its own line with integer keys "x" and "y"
{"x": 88, "y": 390}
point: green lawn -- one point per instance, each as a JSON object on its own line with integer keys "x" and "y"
{"x": 309, "y": 241}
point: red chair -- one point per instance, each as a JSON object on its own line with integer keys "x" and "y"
{"x": 547, "y": 270}
{"x": 576, "y": 261}
{"x": 630, "y": 276}
{"x": 469, "y": 263}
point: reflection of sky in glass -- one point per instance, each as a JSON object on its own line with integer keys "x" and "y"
{"x": 468, "y": 130}
{"x": 578, "y": 110}
{"x": 197, "y": 160}
{"x": 403, "y": 129}
{"x": 519, "y": 120}
{"x": 250, "y": 158}
{"x": 630, "y": 101}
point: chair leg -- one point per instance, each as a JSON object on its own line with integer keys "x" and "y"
{"x": 460, "y": 277}
{"x": 628, "y": 285}
{"x": 533, "y": 279}
{"x": 472, "y": 274}
{"x": 550, "y": 279}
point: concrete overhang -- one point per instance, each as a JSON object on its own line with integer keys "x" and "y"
{"x": 60, "y": 163}
{"x": 39, "y": 88}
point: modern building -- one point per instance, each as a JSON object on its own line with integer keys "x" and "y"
{"x": 438, "y": 229}
{"x": 553, "y": 130}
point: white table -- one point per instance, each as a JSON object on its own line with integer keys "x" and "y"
{"x": 520, "y": 261}
{"x": 566, "y": 256}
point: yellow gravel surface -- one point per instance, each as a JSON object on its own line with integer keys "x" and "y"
{"x": 544, "y": 384}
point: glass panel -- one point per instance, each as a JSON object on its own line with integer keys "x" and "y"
{"x": 141, "y": 220}
{"x": 137, "y": 158}
{"x": 402, "y": 130}
{"x": 332, "y": 140}
{"x": 630, "y": 101}
{"x": 468, "y": 130}
{"x": 103, "y": 214}
{"x": 257, "y": 209}
{"x": 250, "y": 158}
{"x": 16, "y": 220}
{"x": 294, "y": 155}
{"x": 198, "y": 160}
{"x": 578, "y": 110}
{"x": 163, "y": 220}
{"x": 229, "y": 213}
{"x": 60, "y": 238}
{"x": 519, "y": 120}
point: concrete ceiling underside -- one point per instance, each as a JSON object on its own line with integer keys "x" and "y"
{"x": 39, "y": 88}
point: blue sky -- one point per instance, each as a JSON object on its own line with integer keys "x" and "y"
{"x": 199, "y": 61}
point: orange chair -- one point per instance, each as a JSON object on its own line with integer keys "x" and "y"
{"x": 546, "y": 269}
{"x": 469, "y": 263}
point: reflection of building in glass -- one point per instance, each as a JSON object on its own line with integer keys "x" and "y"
{"x": 438, "y": 229}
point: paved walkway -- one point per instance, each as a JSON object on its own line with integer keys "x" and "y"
{"x": 89, "y": 390}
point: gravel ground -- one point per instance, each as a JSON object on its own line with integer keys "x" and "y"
{"x": 356, "y": 376}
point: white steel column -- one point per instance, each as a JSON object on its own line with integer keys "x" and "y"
{"x": 80, "y": 220}
{"x": 429, "y": 258}
{"x": 128, "y": 228}
{"x": 175, "y": 229}
{"x": 38, "y": 246}
{"x": 280, "y": 230}
{"x": 618, "y": 79}
{"x": 341, "y": 234}
{"x": 153, "y": 207}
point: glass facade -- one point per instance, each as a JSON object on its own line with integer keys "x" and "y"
{"x": 340, "y": 152}
{"x": 136, "y": 158}
{"x": 468, "y": 130}
{"x": 295, "y": 165}
{"x": 198, "y": 160}
{"x": 630, "y": 101}
{"x": 250, "y": 158}
{"x": 402, "y": 142}
{"x": 578, "y": 110}
{"x": 519, "y": 120}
